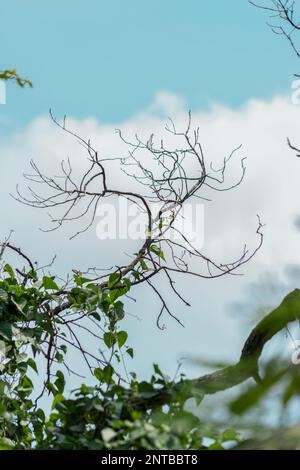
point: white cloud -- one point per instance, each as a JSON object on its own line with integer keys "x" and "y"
{"x": 271, "y": 188}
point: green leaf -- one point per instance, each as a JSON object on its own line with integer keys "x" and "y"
{"x": 59, "y": 357}
{"x": 109, "y": 339}
{"x": 6, "y": 444}
{"x": 157, "y": 370}
{"x": 96, "y": 315}
{"x": 8, "y": 269}
{"x": 51, "y": 387}
{"x": 107, "y": 374}
{"x": 57, "y": 399}
{"x": 119, "y": 309}
{"x": 114, "y": 278}
{"x": 216, "y": 446}
{"x": 80, "y": 280}
{"x": 136, "y": 275}
{"x": 48, "y": 327}
{"x": 130, "y": 352}
{"x": 230, "y": 435}
{"x": 98, "y": 373}
{"x": 25, "y": 385}
{"x": 85, "y": 390}
{"x": 144, "y": 265}
{"x": 19, "y": 305}
{"x": 6, "y": 330}
{"x": 49, "y": 283}
{"x": 156, "y": 250}
{"x": 32, "y": 364}
{"x": 122, "y": 338}
{"x": 60, "y": 381}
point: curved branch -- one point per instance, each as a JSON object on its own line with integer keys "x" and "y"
{"x": 246, "y": 368}
{"x": 18, "y": 251}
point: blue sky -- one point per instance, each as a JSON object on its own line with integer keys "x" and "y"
{"x": 107, "y": 59}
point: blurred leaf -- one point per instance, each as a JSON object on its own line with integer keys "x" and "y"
{"x": 109, "y": 339}
{"x": 6, "y": 330}
{"x": 49, "y": 283}
{"x": 122, "y": 338}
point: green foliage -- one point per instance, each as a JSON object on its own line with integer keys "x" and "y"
{"x": 107, "y": 415}
{"x": 12, "y": 75}
{"x": 157, "y": 251}
{"x": 116, "y": 412}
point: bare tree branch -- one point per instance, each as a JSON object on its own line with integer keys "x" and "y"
{"x": 170, "y": 177}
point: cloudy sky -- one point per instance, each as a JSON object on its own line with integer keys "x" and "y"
{"x": 130, "y": 65}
